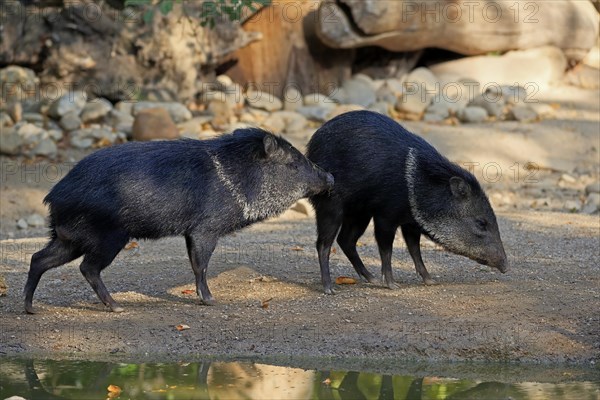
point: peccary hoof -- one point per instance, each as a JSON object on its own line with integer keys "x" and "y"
{"x": 208, "y": 302}
{"x": 30, "y": 310}
{"x": 429, "y": 282}
{"x": 330, "y": 291}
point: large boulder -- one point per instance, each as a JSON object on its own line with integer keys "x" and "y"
{"x": 469, "y": 28}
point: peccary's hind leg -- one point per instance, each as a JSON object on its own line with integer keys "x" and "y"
{"x": 412, "y": 238}
{"x": 352, "y": 229}
{"x": 94, "y": 263}
{"x": 384, "y": 234}
{"x": 200, "y": 248}
{"x": 329, "y": 219}
{"x": 55, "y": 254}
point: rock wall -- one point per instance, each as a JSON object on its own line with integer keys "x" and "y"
{"x": 466, "y": 27}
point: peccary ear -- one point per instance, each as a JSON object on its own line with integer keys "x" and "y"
{"x": 460, "y": 189}
{"x": 271, "y": 145}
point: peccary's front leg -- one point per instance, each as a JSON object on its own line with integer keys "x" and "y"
{"x": 412, "y": 238}
{"x": 200, "y": 247}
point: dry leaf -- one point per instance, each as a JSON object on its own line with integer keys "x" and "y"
{"x": 345, "y": 280}
{"x": 132, "y": 245}
{"x": 265, "y": 303}
{"x": 113, "y": 391}
{"x": 182, "y": 327}
{"x": 297, "y": 248}
{"x": 327, "y": 381}
{"x": 333, "y": 250}
{"x": 188, "y": 291}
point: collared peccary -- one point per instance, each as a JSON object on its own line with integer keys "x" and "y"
{"x": 385, "y": 173}
{"x": 199, "y": 189}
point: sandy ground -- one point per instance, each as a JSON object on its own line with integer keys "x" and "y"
{"x": 267, "y": 285}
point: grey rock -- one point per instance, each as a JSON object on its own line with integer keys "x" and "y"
{"x": 81, "y": 143}
{"x": 292, "y": 121}
{"x": 414, "y": 101}
{"x": 10, "y": 141}
{"x": 263, "y": 100}
{"x": 45, "y": 147}
{"x": 493, "y": 103}
{"x": 274, "y": 123}
{"x": 55, "y": 134}
{"x": 125, "y": 107}
{"x": 387, "y": 95}
{"x": 541, "y": 109}
{"x": 24, "y": 82}
{"x": 33, "y": 117}
{"x": 318, "y": 99}
{"x": 359, "y": 91}
{"x": 222, "y": 113}
{"x": 95, "y": 109}
{"x": 513, "y": 94}
{"x": 31, "y": 134}
{"x": 315, "y": 113}
{"x": 194, "y": 127}
{"x": 339, "y": 95}
{"x": 572, "y": 206}
{"x": 593, "y": 188}
{"x": 292, "y": 99}
{"x": 342, "y": 109}
{"x": 120, "y": 121}
{"x": 70, "y": 102}
{"x": 568, "y": 178}
{"x": 70, "y": 121}
{"x": 381, "y": 107}
{"x": 523, "y": 113}
{"x": 472, "y": 114}
{"x": 395, "y": 86}
{"x": 433, "y": 117}
{"x": 15, "y": 110}
{"x": 5, "y": 119}
{"x": 35, "y": 220}
{"x": 592, "y": 203}
{"x": 22, "y": 224}
{"x": 177, "y": 111}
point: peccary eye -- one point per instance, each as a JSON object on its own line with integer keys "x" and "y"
{"x": 481, "y": 224}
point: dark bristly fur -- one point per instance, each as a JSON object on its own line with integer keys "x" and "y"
{"x": 385, "y": 173}
{"x": 198, "y": 189}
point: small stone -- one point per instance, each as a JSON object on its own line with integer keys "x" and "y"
{"x": 592, "y": 203}
{"x": 10, "y": 141}
{"x": 194, "y": 127}
{"x": 154, "y": 123}
{"x": 523, "y": 114}
{"x": 274, "y": 123}
{"x": 70, "y": 121}
{"x": 513, "y": 94}
{"x": 15, "y": 111}
{"x": 125, "y": 107}
{"x": 45, "y": 147}
{"x": 292, "y": 99}
{"x": 386, "y": 95}
{"x": 472, "y": 114}
{"x": 318, "y": 99}
{"x": 55, "y": 135}
{"x": 120, "y": 121}
{"x": 492, "y": 103}
{"x": 395, "y": 86}
{"x": 360, "y": 91}
{"x": 568, "y": 178}
{"x": 95, "y": 109}
{"x": 31, "y": 134}
{"x": 177, "y": 111}
{"x": 572, "y": 206}
{"x": 225, "y": 80}
{"x": 315, "y": 113}
{"x": 541, "y": 109}
{"x": 81, "y": 143}
{"x": 221, "y": 112}
{"x": 35, "y": 220}
{"x": 5, "y": 119}
{"x": 33, "y": 117}
{"x": 70, "y": 102}
{"x": 292, "y": 121}
{"x": 263, "y": 100}
{"x": 593, "y": 188}
{"x": 433, "y": 117}
{"x": 22, "y": 224}
{"x": 381, "y": 107}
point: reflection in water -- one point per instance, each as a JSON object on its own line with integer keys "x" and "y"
{"x": 44, "y": 379}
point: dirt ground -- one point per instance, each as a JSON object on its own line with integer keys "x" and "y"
{"x": 267, "y": 285}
